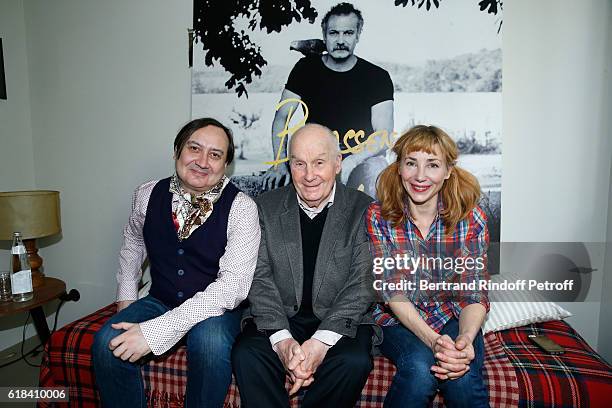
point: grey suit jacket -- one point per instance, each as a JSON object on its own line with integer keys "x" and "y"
{"x": 342, "y": 293}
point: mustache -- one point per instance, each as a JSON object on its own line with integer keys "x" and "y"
{"x": 341, "y": 48}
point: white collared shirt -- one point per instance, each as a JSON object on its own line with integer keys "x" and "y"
{"x": 312, "y": 212}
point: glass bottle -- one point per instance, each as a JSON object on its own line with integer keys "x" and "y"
{"x": 21, "y": 274}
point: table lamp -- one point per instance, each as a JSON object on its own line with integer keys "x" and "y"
{"x": 35, "y": 214}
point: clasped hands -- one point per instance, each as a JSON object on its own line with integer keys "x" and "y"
{"x": 301, "y": 361}
{"x": 453, "y": 358}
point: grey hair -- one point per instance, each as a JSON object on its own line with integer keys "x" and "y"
{"x": 342, "y": 9}
{"x": 334, "y": 148}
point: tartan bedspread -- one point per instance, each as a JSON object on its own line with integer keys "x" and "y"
{"x": 517, "y": 373}
{"x": 578, "y": 378}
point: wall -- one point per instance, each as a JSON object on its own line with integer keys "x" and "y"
{"x": 110, "y": 87}
{"x": 605, "y": 323}
{"x": 16, "y": 158}
{"x": 15, "y": 129}
{"x": 556, "y": 150}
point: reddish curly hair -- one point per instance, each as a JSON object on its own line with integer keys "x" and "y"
{"x": 460, "y": 193}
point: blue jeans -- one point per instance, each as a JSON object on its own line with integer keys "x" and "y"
{"x": 209, "y": 346}
{"x": 414, "y": 385}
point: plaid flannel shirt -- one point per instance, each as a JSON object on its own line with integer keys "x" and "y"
{"x": 446, "y": 254}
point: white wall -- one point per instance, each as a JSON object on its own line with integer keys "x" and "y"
{"x": 556, "y": 150}
{"x": 605, "y": 322}
{"x": 110, "y": 87}
{"x": 16, "y": 158}
{"x": 15, "y": 128}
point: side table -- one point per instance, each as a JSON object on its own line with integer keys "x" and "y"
{"x": 52, "y": 288}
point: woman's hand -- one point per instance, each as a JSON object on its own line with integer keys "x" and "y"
{"x": 453, "y": 357}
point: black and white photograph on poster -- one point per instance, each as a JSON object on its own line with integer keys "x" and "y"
{"x": 369, "y": 72}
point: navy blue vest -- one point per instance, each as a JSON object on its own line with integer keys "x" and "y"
{"x": 181, "y": 269}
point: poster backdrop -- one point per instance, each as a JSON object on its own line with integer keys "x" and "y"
{"x": 444, "y": 60}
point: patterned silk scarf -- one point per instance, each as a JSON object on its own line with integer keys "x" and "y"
{"x": 192, "y": 210}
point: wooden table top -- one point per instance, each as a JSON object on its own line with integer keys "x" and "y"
{"x": 52, "y": 288}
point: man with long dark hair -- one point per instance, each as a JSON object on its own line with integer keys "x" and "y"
{"x": 201, "y": 236}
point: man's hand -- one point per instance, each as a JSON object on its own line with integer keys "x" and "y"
{"x": 122, "y": 304}
{"x": 275, "y": 177}
{"x": 129, "y": 345}
{"x": 315, "y": 352}
{"x": 453, "y": 357}
{"x": 291, "y": 355}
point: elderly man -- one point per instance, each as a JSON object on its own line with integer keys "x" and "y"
{"x": 341, "y": 91}
{"x": 310, "y": 300}
{"x": 201, "y": 236}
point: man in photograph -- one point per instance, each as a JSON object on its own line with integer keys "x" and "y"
{"x": 309, "y": 316}
{"x": 341, "y": 91}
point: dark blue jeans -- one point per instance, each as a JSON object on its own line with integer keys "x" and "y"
{"x": 414, "y": 385}
{"x": 209, "y": 347}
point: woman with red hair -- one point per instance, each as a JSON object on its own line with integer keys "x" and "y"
{"x": 429, "y": 240}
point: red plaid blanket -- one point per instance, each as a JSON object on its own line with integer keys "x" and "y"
{"x": 512, "y": 381}
{"x": 578, "y": 378}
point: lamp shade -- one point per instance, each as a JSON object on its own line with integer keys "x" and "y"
{"x": 35, "y": 214}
